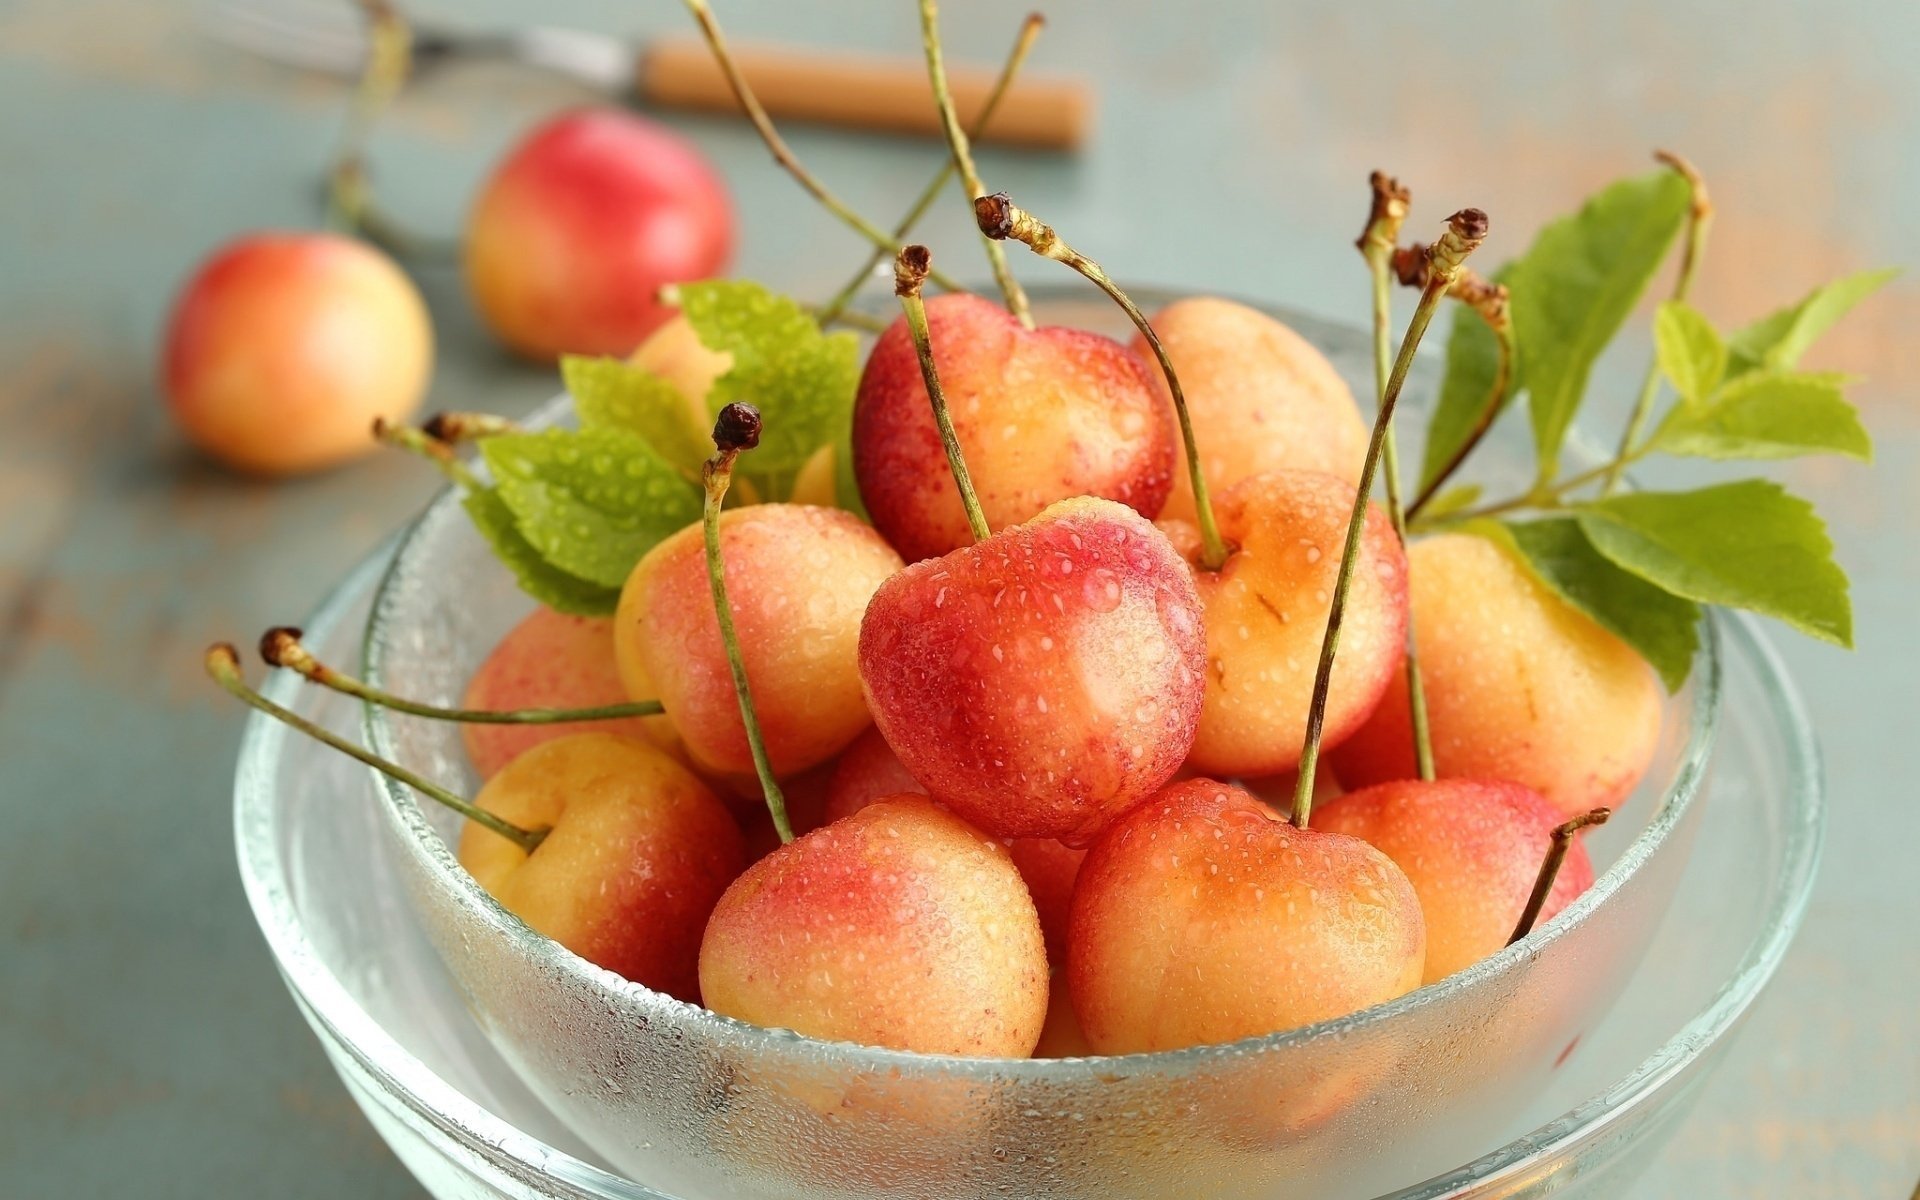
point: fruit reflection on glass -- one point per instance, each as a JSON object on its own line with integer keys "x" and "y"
{"x": 950, "y": 662}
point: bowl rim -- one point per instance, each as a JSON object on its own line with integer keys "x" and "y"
{"x": 405, "y": 1081}
{"x": 439, "y": 858}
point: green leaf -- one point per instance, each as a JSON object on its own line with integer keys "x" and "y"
{"x": 590, "y": 502}
{"x": 1575, "y": 286}
{"x": 1690, "y": 351}
{"x": 1663, "y": 627}
{"x": 1745, "y": 545}
{"x": 1780, "y": 338}
{"x": 1473, "y": 362}
{"x": 801, "y": 380}
{"x": 1767, "y": 415}
{"x": 537, "y": 577}
{"x": 610, "y": 393}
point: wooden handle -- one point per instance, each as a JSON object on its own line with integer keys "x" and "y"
{"x": 864, "y": 92}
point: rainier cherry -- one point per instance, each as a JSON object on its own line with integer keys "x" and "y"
{"x": 581, "y": 225}
{"x": 284, "y": 347}
{"x": 1264, "y": 565}
{"x": 1260, "y": 396}
{"x": 549, "y": 660}
{"x": 1266, "y": 613}
{"x": 1519, "y": 684}
{"x": 1046, "y": 678}
{"x": 1041, "y": 415}
{"x": 870, "y": 772}
{"x": 1200, "y": 917}
{"x": 800, "y": 578}
{"x": 1472, "y": 850}
{"x": 638, "y": 852}
{"x": 602, "y": 843}
{"x": 899, "y": 926}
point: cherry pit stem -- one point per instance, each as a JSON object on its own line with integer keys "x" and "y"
{"x": 1466, "y": 229}
{"x": 909, "y": 273}
{"x": 736, "y": 430}
{"x": 777, "y": 145}
{"x": 1377, "y": 243}
{"x": 281, "y": 647}
{"x": 1550, "y": 868}
{"x": 1699, "y": 221}
{"x": 223, "y": 664}
{"x": 963, "y": 159}
{"x": 836, "y": 308}
{"x": 1000, "y": 218}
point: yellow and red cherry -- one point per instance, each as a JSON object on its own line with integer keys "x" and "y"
{"x": 285, "y": 347}
{"x": 1266, "y": 609}
{"x": 1472, "y": 850}
{"x": 799, "y": 578}
{"x": 1519, "y": 685}
{"x": 1045, "y": 680}
{"x": 638, "y": 851}
{"x": 583, "y": 223}
{"x": 1041, "y": 415}
{"x": 1201, "y": 918}
{"x": 1260, "y": 396}
{"x": 899, "y": 926}
{"x": 549, "y": 660}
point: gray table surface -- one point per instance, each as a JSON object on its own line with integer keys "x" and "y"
{"x": 145, "y": 1041}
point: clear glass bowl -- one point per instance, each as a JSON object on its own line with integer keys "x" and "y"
{"x": 514, "y": 1068}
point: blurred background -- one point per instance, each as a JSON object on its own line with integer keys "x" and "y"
{"x": 143, "y": 1033}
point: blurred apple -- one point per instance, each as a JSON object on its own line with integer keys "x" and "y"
{"x": 284, "y": 347}
{"x": 583, "y": 223}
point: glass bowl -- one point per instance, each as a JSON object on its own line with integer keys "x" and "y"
{"x": 514, "y": 1068}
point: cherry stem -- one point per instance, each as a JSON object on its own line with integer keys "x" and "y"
{"x": 737, "y": 429}
{"x": 350, "y": 205}
{"x": 1699, "y": 221}
{"x": 963, "y": 159}
{"x": 825, "y": 316}
{"x": 835, "y": 309}
{"x": 1490, "y": 301}
{"x": 1377, "y": 243}
{"x": 281, "y": 647}
{"x": 909, "y": 272}
{"x": 782, "y": 154}
{"x": 455, "y": 427}
{"x": 223, "y": 664}
{"x": 421, "y": 444}
{"x": 1000, "y": 218}
{"x": 1466, "y": 229}
{"x": 1550, "y": 868}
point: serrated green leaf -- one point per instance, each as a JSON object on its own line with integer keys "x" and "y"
{"x": 1473, "y": 363}
{"x": 590, "y": 502}
{"x": 1745, "y": 545}
{"x": 1767, "y": 415}
{"x": 1453, "y": 500}
{"x": 611, "y": 393}
{"x": 1689, "y": 349}
{"x": 1663, "y": 627}
{"x": 1576, "y": 284}
{"x": 801, "y": 380}
{"x": 537, "y": 577}
{"x": 1778, "y": 339}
